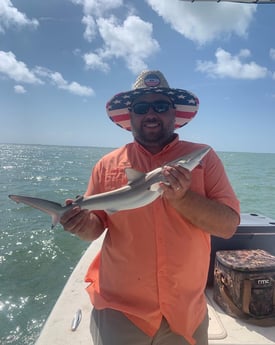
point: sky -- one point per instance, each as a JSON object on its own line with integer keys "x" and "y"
{"x": 62, "y": 60}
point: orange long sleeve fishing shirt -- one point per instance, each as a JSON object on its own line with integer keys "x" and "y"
{"x": 153, "y": 262}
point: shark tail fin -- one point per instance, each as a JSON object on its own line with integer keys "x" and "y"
{"x": 50, "y": 207}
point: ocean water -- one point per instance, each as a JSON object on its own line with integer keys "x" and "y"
{"x": 36, "y": 261}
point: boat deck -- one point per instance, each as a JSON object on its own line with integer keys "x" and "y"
{"x": 223, "y": 329}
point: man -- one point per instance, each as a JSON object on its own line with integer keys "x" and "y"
{"x": 147, "y": 283}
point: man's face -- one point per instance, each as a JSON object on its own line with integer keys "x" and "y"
{"x": 153, "y": 125}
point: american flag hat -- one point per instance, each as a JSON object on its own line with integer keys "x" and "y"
{"x": 185, "y": 102}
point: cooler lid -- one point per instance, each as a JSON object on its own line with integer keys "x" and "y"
{"x": 256, "y": 224}
{"x": 251, "y": 260}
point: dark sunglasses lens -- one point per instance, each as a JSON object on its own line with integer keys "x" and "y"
{"x": 141, "y": 108}
{"x": 161, "y": 107}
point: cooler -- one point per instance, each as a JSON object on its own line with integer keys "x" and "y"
{"x": 254, "y": 232}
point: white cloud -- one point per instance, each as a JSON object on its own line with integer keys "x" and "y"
{"x": 227, "y": 65}
{"x": 204, "y": 22}
{"x": 16, "y": 70}
{"x": 72, "y": 87}
{"x": 19, "y": 89}
{"x": 95, "y": 62}
{"x": 10, "y": 16}
{"x": 57, "y": 79}
{"x": 91, "y": 30}
{"x": 98, "y": 7}
{"x": 19, "y": 72}
{"x": 131, "y": 41}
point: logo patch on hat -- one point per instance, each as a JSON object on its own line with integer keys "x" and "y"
{"x": 151, "y": 80}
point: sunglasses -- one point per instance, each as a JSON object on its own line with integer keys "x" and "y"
{"x": 159, "y": 107}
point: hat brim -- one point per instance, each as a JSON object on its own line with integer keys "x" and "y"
{"x": 185, "y": 102}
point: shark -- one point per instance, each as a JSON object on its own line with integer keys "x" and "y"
{"x": 141, "y": 190}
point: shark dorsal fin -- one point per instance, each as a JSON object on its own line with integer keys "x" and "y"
{"x": 134, "y": 176}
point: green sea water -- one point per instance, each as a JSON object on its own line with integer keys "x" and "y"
{"x": 36, "y": 261}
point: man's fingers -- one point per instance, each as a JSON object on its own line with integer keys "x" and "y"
{"x": 70, "y": 214}
{"x": 69, "y": 201}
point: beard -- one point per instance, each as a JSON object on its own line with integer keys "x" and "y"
{"x": 153, "y": 132}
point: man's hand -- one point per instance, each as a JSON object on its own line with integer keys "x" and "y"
{"x": 179, "y": 181}
{"x": 82, "y": 223}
